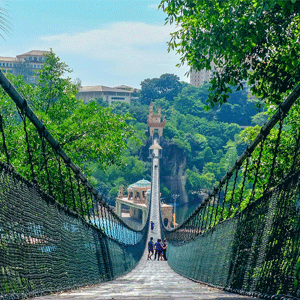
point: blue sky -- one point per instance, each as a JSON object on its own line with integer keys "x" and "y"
{"x": 105, "y": 42}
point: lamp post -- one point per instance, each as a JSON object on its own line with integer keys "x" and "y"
{"x": 175, "y": 196}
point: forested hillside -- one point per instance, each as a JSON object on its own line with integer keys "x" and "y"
{"x": 210, "y": 137}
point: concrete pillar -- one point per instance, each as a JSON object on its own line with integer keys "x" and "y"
{"x": 144, "y": 218}
{"x": 118, "y": 208}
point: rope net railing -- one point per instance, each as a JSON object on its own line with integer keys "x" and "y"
{"x": 245, "y": 236}
{"x": 63, "y": 235}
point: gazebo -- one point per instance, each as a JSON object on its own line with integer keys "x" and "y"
{"x": 137, "y": 199}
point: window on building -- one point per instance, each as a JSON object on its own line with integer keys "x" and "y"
{"x": 117, "y": 98}
{"x": 30, "y": 57}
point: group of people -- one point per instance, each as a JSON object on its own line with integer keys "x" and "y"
{"x": 160, "y": 249}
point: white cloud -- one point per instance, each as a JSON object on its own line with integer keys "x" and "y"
{"x": 130, "y": 46}
{"x": 153, "y": 6}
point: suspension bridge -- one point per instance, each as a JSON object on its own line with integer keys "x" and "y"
{"x": 241, "y": 242}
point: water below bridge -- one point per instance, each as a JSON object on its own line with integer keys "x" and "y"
{"x": 150, "y": 279}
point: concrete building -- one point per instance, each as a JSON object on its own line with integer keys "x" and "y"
{"x": 25, "y": 64}
{"x": 109, "y": 94}
{"x": 137, "y": 201}
{"x": 198, "y": 78}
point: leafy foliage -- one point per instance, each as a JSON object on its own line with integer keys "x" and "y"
{"x": 166, "y": 86}
{"x": 254, "y": 40}
{"x": 88, "y": 132}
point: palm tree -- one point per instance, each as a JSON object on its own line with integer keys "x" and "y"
{"x": 5, "y": 26}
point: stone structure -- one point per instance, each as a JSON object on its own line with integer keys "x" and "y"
{"x": 138, "y": 200}
{"x": 172, "y": 168}
{"x": 109, "y": 94}
{"x": 154, "y": 122}
{"x": 24, "y": 64}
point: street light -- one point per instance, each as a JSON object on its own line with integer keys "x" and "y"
{"x": 175, "y": 196}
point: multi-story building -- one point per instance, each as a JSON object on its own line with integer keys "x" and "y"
{"x": 25, "y": 64}
{"x": 198, "y": 78}
{"x": 109, "y": 94}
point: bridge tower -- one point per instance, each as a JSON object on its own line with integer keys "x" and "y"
{"x": 154, "y": 122}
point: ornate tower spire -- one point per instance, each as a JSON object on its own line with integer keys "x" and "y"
{"x": 154, "y": 121}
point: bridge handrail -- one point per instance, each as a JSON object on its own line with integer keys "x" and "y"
{"x": 281, "y": 112}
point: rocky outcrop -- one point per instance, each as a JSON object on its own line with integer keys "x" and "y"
{"x": 173, "y": 167}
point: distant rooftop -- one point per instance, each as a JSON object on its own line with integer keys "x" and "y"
{"x": 2, "y": 58}
{"x": 124, "y": 87}
{"x": 102, "y": 88}
{"x": 141, "y": 183}
{"x": 35, "y": 53}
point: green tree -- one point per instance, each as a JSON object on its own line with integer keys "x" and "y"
{"x": 254, "y": 41}
{"x": 166, "y": 86}
{"x": 83, "y": 130}
{"x": 191, "y": 101}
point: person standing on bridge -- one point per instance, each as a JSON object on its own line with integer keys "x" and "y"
{"x": 158, "y": 249}
{"x": 150, "y": 248}
{"x": 164, "y": 249}
{"x": 152, "y": 225}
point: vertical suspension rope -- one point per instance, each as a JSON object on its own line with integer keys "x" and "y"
{"x": 224, "y": 199}
{"x": 93, "y": 208}
{"x": 244, "y": 181}
{"x": 87, "y": 204}
{"x": 80, "y": 198}
{"x": 203, "y": 216}
{"x": 3, "y": 139}
{"x": 97, "y": 210}
{"x": 208, "y": 211}
{"x": 72, "y": 190}
{"x": 213, "y": 207}
{"x": 233, "y": 191}
{"x": 61, "y": 180}
{"x": 23, "y": 116}
{"x": 257, "y": 169}
{"x": 42, "y": 138}
{"x": 270, "y": 181}
{"x": 218, "y": 205}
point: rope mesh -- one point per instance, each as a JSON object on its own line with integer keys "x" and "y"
{"x": 255, "y": 251}
{"x": 46, "y": 248}
{"x": 67, "y": 238}
{"x": 245, "y": 236}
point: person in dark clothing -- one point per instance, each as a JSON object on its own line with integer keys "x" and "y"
{"x": 158, "y": 249}
{"x": 152, "y": 225}
{"x": 164, "y": 247}
{"x": 150, "y": 248}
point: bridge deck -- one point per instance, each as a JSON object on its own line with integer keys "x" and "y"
{"x": 150, "y": 279}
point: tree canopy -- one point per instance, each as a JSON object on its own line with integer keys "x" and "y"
{"x": 89, "y": 133}
{"x": 166, "y": 86}
{"x": 254, "y": 41}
